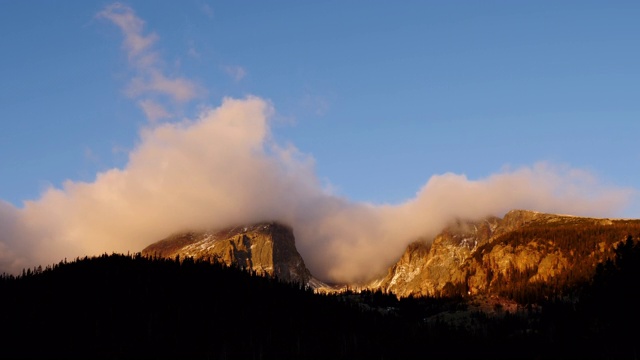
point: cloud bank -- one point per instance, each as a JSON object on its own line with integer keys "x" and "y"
{"x": 224, "y": 168}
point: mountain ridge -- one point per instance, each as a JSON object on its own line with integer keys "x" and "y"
{"x": 489, "y": 256}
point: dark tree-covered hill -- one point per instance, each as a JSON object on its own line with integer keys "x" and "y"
{"x": 119, "y": 306}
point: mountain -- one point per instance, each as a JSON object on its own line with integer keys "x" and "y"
{"x": 523, "y": 256}
{"x": 267, "y": 249}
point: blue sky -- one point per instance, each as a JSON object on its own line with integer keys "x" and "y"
{"x": 364, "y": 125}
{"x": 382, "y": 94}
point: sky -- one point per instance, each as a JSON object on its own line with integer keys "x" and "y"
{"x": 363, "y": 124}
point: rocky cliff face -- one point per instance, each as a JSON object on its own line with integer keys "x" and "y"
{"x": 268, "y": 249}
{"x": 524, "y": 247}
{"x": 425, "y": 269}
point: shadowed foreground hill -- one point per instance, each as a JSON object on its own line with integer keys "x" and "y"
{"x": 118, "y": 306}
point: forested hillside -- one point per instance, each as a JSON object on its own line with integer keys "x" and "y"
{"x": 119, "y": 306}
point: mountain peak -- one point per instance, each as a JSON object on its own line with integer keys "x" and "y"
{"x": 266, "y": 248}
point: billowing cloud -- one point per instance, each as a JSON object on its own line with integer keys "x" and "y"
{"x": 351, "y": 236}
{"x": 224, "y": 168}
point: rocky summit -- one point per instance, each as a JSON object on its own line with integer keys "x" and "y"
{"x": 267, "y": 249}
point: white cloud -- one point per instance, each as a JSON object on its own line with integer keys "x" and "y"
{"x": 192, "y": 51}
{"x": 318, "y": 105}
{"x": 90, "y": 155}
{"x": 154, "y": 82}
{"x": 153, "y": 110}
{"x": 135, "y": 43}
{"x": 207, "y": 10}
{"x": 236, "y": 72}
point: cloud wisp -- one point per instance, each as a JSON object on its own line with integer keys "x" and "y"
{"x": 150, "y": 81}
{"x": 223, "y": 169}
{"x": 236, "y": 72}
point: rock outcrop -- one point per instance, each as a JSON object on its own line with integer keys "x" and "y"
{"x": 268, "y": 249}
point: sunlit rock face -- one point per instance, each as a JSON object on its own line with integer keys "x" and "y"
{"x": 426, "y": 270}
{"x": 478, "y": 257}
{"x": 268, "y": 249}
